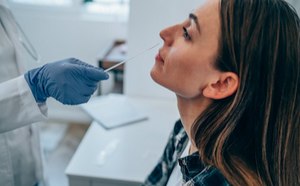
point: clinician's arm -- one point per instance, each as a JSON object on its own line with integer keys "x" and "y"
{"x": 18, "y": 106}
{"x": 69, "y": 81}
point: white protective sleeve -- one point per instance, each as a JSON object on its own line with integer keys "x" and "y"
{"x": 18, "y": 106}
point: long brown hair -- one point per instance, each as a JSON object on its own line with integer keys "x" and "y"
{"x": 253, "y": 137}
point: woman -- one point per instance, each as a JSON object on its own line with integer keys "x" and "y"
{"x": 234, "y": 66}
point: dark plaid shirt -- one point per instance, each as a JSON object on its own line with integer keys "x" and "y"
{"x": 194, "y": 172}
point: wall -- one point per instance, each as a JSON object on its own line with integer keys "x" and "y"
{"x": 146, "y": 19}
{"x": 295, "y": 4}
{"x": 58, "y": 33}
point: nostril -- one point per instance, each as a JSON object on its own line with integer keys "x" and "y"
{"x": 165, "y": 38}
{"x": 161, "y": 34}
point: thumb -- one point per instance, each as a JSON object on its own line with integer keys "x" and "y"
{"x": 76, "y": 61}
{"x": 96, "y": 74}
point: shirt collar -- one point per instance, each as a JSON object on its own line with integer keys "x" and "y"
{"x": 190, "y": 165}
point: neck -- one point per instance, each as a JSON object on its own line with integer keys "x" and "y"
{"x": 189, "y": 110}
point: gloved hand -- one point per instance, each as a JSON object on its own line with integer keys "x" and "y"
{"x": 69, "y": 81}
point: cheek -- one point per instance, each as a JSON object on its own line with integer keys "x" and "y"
{"x": 163, "y": 72}
{"x": 177, "y": 76}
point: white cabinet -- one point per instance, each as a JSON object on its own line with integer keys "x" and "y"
{"x": 126, "y": 155}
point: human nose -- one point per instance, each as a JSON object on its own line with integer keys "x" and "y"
{"x": 167, "y": 34}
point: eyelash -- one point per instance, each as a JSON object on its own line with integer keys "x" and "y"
{"x": 186, "y": 34}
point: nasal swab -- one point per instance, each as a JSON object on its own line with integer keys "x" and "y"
{"x": 126, "y": 60}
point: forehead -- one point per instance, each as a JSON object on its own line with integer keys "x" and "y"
{"x": 208, "y": 16}
{"x": 209, "y": 10}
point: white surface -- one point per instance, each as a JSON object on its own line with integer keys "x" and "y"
{"x": 130, "y": 152}
{"x": 113, "y": 110}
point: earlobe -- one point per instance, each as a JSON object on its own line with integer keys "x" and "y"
{"x": 225, "y": 86}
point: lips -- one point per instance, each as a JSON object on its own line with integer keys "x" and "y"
{"x": 158, "y": 57}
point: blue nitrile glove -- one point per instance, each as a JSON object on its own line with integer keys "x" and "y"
{"x": 69, "y": 81}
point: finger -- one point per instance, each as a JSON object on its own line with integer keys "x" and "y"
{"x": 95, "y": 74}
{"x": 75, "y": 61}
{"x": 88, "y": 91}
{"x": 85, "y": 99}
{"x": 79, "y": 62}
{"x": 82, "y": 64}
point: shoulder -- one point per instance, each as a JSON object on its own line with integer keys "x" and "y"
{"x": 4, "y": 7}
{"x": 5, "y": 13}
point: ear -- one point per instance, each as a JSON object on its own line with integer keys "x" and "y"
{"x": 224, "y": 86}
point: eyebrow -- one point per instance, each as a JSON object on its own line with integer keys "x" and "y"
{"x": 195, "y": 19}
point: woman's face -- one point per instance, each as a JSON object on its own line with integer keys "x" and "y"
{"x": 185, "y": 63}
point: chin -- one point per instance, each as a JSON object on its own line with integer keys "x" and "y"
{"x": 155, "y": 75}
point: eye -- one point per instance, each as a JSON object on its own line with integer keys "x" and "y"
{"x": 186, "y": 34}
